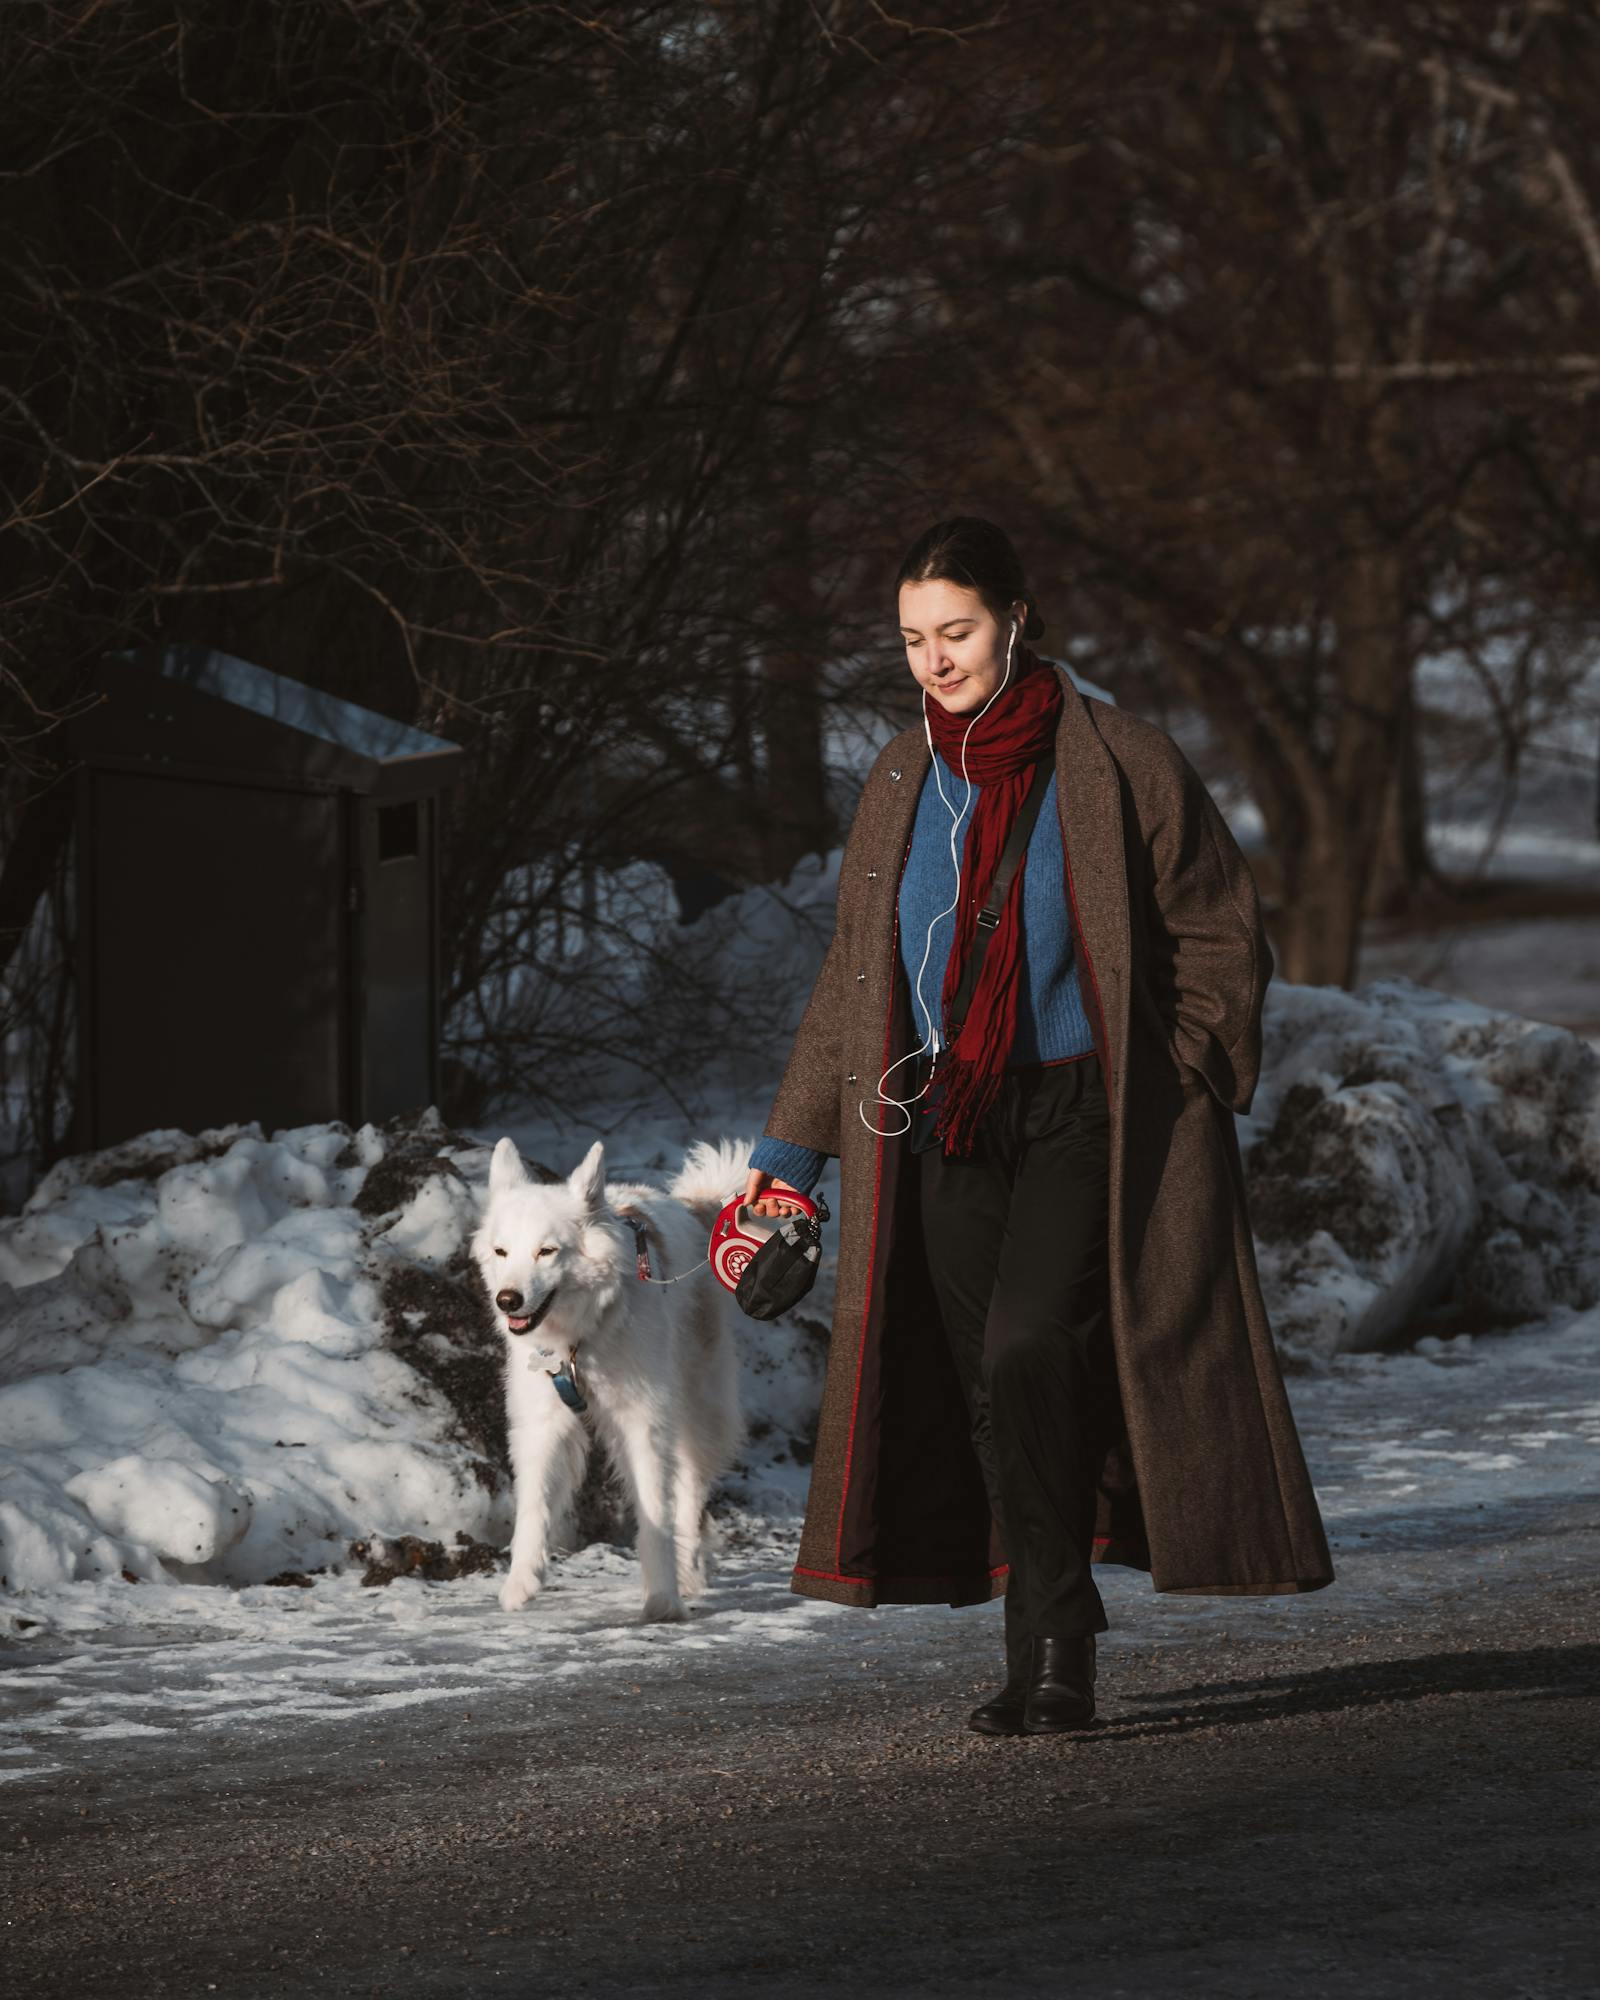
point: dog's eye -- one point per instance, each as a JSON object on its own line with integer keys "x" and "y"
{"x": 548, "y": 1250}
{"x": 499, "y": 1253}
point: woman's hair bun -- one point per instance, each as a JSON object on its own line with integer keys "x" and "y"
{"x": 978, "y": 555}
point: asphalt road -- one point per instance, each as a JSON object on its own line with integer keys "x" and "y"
{"x": 1392, "y": 1795}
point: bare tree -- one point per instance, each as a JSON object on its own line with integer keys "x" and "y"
{"x": 1285, "y": 318}
{"x": 475, "y": 367}
{"x": 568, "y": 383}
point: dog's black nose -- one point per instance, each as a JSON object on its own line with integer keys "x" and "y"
{"x": 508, "y": 1301}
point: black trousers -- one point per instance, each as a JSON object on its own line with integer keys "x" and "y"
{"x": 1016, "y": 1236}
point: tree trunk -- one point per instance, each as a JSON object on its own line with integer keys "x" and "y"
{"x": 1329, "y": 869}
{"x": 1403, "y": 866}
{"x": 798, "y": 819}
{"x": 28, "y": 866}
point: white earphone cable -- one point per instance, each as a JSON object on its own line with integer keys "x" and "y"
{"x": 925, "y": 1047}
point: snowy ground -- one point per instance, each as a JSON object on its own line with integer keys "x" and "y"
{"x": 1415, "y": 1457}
{"x": 1381, "y": 1791}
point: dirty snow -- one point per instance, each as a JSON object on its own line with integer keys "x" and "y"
{"x": 1410, "y": 1151}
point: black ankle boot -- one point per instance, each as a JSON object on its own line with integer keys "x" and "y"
{"x": 1001, "y": 1714}
{"x": 1060, "y": 1690}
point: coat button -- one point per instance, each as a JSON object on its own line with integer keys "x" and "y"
{"x": 851, "y": 1077}
{"x": 894, "y": 774}
{"x": 860, "y": 975}
{"x": 872, "y": 874}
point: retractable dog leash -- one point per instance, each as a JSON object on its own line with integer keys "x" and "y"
{"x": 783, "y": 1260}
{"x": 769, "y": 1274}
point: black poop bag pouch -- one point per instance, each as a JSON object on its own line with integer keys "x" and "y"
{"x": 784, "y": 1269}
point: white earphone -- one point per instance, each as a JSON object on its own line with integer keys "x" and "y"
{"x": 925, "y": 1047}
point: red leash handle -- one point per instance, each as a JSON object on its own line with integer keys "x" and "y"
{"x": 731, "y": 1209}
{"x": 732, "y": 1246}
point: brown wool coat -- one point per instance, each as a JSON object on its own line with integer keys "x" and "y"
{"x": 1205, "y": 1484}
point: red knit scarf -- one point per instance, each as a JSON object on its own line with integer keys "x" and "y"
{"x": 1016, "y": 729}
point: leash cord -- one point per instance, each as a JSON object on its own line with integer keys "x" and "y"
{"x": 648, "y": 1277}
{"x": 642, "y": 1250}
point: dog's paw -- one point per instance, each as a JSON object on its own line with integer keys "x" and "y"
{"x": 660, "y": 1609}
{"x": 518, "y": 1588}
{"x": 713, "y": 1542}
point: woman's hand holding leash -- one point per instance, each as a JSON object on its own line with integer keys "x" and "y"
{"x": 768, "y": 1204}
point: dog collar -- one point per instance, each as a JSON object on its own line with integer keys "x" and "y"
{"x": 565, "y": 1380}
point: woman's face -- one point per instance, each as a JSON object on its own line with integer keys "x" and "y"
{"x": 955, "y": 646}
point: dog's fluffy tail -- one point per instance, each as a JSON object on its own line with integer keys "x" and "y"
{"x": 713, "y": 1172}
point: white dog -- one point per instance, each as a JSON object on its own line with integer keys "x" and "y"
{"x": 655, "y": 1363}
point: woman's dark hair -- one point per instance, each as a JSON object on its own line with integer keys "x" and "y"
{"x": 969, "y": 550}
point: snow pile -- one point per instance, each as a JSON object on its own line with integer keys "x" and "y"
{"x": 226, "y": 1357}
{"x": 1409, "y": 1151}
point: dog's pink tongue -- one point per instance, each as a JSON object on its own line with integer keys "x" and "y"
{"x": 516, "y": 1325}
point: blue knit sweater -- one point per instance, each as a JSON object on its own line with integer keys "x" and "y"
{"x": 1051, "y": 1021}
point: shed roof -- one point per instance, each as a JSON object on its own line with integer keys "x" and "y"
{"x": 197, "y": 711}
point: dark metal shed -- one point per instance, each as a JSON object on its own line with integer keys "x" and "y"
{"x": 257, "y": 891}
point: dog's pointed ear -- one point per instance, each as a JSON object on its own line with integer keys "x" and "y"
{"x": 505, "y": 1166}
{"x": 588, "y": 1178}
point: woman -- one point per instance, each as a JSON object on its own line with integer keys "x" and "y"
{"x": 1049, "y": 1346}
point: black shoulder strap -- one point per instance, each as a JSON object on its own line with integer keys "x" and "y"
{"x": 989, "y": 916}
